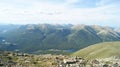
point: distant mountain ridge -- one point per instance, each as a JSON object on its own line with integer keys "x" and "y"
{"x": 35, "y": 37}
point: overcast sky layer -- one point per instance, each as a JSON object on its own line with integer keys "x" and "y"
{"x": 90, "y": 12}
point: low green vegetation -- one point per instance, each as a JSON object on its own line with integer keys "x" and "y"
{"x": 100, "y": 50}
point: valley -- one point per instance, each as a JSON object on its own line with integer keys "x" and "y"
{"x": 59, "y": 33}
{"x": 48, "y": 45}
{"x": 32, "y": 38}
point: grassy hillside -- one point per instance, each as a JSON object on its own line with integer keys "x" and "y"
{"x": 100, "y": 50}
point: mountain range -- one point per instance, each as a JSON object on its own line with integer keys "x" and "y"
{"x": 32, "y": 38}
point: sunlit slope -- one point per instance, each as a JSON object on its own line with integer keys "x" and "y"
{"x": 100, "y": 50}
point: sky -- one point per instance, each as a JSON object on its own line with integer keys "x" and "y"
{"x": 90, "y": 12}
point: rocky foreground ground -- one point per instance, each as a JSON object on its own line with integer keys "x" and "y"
{"x": 8, "y": 59}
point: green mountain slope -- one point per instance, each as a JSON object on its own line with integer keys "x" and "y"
{"x": 100, "y": 50}
{"x": 35, "y": 37}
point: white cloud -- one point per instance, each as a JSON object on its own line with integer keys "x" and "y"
{"x": 40, "y": 12}
{"x": 72, "y": 1}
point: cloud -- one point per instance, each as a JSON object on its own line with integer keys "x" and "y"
{"x": 72, "y": 1}
{"x": 107, "y": 2}
{"x": 39, "y": 11}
